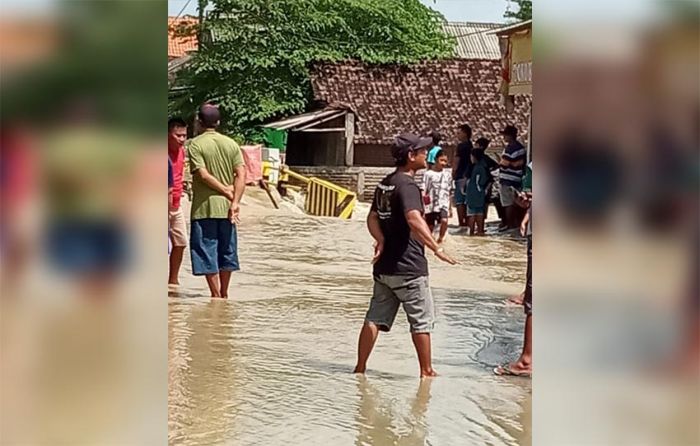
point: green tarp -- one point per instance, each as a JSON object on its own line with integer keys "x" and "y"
{"x": 275, "y": 139}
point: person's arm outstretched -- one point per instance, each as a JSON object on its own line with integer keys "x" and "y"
{"x": 422, "y": 232}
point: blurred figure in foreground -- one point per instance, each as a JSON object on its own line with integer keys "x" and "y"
{"x": 18, "y": 176}
{"x": 88, "y": 172}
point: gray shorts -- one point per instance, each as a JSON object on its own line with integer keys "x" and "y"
{"x": 392, "y": 291}
{"x": 507, "y": 195}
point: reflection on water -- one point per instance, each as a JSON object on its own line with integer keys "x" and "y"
{"x": 273, "y": 364}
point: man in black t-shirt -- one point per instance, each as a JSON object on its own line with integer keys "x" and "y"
{"x": 400, "y": 271}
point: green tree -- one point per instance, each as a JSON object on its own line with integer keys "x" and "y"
{"x": 255, "y": 57}
{"x": 524, "y": 11}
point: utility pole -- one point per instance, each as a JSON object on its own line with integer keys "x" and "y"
{"x": 202, "y": 4}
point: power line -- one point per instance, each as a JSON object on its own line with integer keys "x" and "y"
{"x": 183, "y": 9}
{"x": 470, "y": 34}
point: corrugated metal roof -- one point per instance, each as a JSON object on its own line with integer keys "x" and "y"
{"x": 306, "y": 120}
{"x": 473, "y": 42}
{"x": 514, "y": 28}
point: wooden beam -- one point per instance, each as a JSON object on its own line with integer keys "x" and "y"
{"x": 349, "y": 139}
{"x": 331, "y": 129}
{"x": 320, "y": 121}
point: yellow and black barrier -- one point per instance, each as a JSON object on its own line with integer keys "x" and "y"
{"x": 324, "y": 198}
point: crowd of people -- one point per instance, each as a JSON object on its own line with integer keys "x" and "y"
{"x": 474, "y": 181}
{"x": 402, "y": 219}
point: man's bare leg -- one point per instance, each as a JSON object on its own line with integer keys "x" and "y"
{"x": 368, "y": 336}
{"x": 443, "y": 230}
{"x": 513, "y": 216}
{"x": 471, "y": 224}
{"x": 213, "y": 282}
{"x": 462, "y": 215}
{"x": 422, "y": 343}
{"x": 175, "y": 263}
{"x": 225, "y": 279}
{"x": 480, "y": 225}
{"x": 508, "y": 211}
{"x": 524, "y": 363}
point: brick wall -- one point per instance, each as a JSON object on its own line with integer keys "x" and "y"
{"x": 379, "y": 155}
{"x": 373, "y": 155}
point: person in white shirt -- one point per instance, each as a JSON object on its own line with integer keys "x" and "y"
{"x": 437, "y": 190}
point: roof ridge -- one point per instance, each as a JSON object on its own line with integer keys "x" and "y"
{"x": 457, "y": 22}
{"x": 184, "y": 17}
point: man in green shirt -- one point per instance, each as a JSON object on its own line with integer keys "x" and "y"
{"x": 218, "y": 182}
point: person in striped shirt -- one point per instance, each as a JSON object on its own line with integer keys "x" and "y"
{"x": 511, "y": 171}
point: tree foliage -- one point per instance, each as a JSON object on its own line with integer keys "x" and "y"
{"x": 524, "y": 11}
{"x": 256, "y": 55}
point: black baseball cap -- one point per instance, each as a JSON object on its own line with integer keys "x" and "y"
{"x": 510, "y": 130}
{"x": 408, "y": 142}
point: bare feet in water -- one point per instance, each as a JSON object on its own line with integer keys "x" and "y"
{"x": 517, "y": 300}
{"x": 359, "y": 370}
{"x": 517, "y": 368}
{"x": 428, "y": 373}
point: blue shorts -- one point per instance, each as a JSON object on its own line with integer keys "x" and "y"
{"x": 476, "y": 210}
{"x": 213, "y": 246}
{"x": 84, "y": 247}
{"x": 461, "y": 192}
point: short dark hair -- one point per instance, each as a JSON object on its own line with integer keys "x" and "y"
{"x": 478, "y": 154}
{"x": 209, "y": 116}
{"x": 510, "y": 130}
{"x": 483, "y": 142}
{"x": 439, "y": 154}
{"x": 176, "y": 122}
{"x": 435, "y": 135}
{"x": 466, "y": 129}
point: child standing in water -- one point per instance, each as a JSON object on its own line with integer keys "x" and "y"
{"x": 437, "y": 190}
{"x": 476, "y": 191}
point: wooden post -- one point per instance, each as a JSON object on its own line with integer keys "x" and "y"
{"x": 349, "y": 138}
{"x": 361, "y": 183}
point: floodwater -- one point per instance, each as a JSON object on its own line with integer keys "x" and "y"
{"x": 272, "y": 364}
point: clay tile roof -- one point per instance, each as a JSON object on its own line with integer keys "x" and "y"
{"x": 431, "y": 95}
{"x": 179, "y": 46}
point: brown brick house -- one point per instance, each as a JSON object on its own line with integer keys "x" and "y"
{"x": 366, "y": 106}
{"x": 439, "y": 95}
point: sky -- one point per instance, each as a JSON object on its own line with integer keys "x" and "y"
{"x": 453, "y": 10}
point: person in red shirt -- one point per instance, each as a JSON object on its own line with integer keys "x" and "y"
{"x": 177, "y": 134}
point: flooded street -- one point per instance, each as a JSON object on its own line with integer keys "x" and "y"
{"x": 272, "y": 365}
